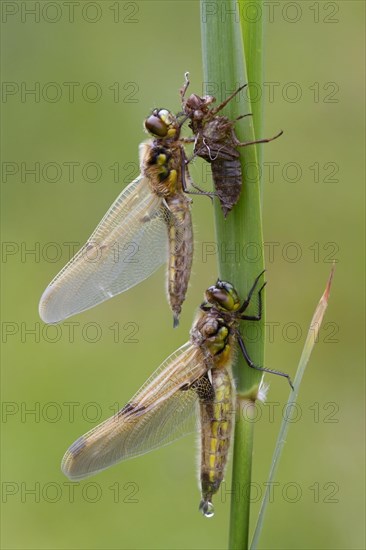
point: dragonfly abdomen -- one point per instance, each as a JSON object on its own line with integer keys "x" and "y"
{"x": 216, "y": 427}
{"x": 227, "y": 177}
{"x": 180, "y": 251}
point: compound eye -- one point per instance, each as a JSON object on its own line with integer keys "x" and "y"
{"x": 224, "y": 295}
{"x": 223, "y": 298}
{"x": 156, "y": 126}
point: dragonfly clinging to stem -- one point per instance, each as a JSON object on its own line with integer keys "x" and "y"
{"x": 194, "y": 380}
{"x": 148, "y": 225}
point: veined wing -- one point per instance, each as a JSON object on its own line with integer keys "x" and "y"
{"x": 162, "y": 410}
{"x": 127, "y": 246}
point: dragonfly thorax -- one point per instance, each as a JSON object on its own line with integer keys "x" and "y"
{"x": 214, "y": 333}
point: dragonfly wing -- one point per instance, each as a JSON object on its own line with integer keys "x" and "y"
{"x": 162, "y": 410}
{"x": 128, "y": 245}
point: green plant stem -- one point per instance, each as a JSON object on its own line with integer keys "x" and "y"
{"x": 239, "y": 237}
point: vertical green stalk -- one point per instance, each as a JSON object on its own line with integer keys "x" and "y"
{"x": 239, "y": 237}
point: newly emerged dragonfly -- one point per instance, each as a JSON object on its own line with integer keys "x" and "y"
{"x": 148, "y": 224}
{"x": 194, "y": 379}
{"x": 216, "y": 142}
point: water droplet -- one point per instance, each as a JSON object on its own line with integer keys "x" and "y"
{"x": 207, "y": 509}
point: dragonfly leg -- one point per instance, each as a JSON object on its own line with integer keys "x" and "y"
{"x": 224, "y": 103}
{"x": 257, "y": 317}
{"x": 265, "y": 140}
{"x": 187, "y": 139}
{"x": 242, "y": 116}
{"x": 231, "y": 124}
{"x": 256, "y": 367}
{"x": 247, "y": 301}
{"x": 185, "y": 186}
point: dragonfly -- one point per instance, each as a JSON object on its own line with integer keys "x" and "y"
{"x": 193, "y": 384}
{"x": 216, "y": 142}
{"x": 149, "y": 224}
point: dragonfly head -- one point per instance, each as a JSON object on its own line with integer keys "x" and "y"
{"x": 162, "y": 124}
{"x": 223, "y": 295}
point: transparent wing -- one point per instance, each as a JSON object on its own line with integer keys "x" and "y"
{"x": 127, "y": 246}
{"x": 162, "y": 410}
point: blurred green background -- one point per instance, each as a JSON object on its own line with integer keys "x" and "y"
{"x": 73, "y": 376}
